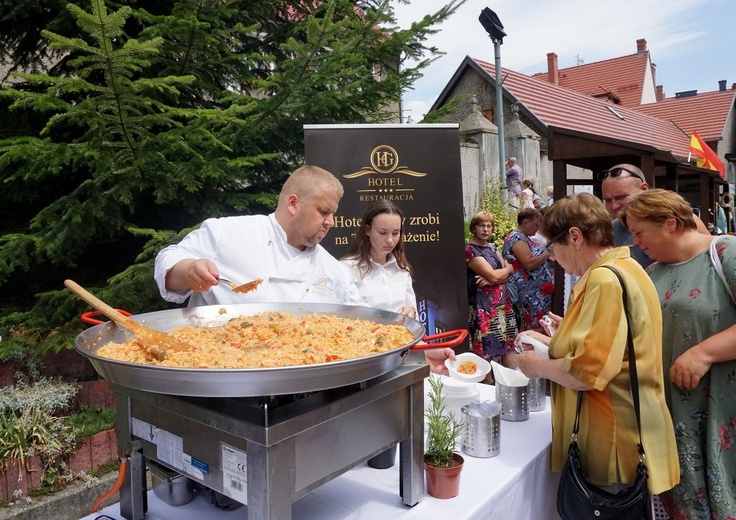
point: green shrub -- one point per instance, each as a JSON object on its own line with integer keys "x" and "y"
{"x": 31, "y": 421}
{"x": 494, "y": 202}
{"x": 90, "y": 421}
{"x": 38, "y": 419}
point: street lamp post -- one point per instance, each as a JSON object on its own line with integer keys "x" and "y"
{"x": 493, "y": 26}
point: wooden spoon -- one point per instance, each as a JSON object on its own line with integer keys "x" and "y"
{"x": 155, "y": 342}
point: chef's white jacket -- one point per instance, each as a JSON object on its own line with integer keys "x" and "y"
{"x": 248, "y": 247}
{"x": 386, "y": 287}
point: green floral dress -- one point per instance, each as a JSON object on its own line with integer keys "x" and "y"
{"x": 695, "y": 306}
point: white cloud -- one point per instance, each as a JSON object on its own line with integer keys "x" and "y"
{"x": 415, "y": 109}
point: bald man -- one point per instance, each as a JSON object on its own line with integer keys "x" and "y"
{"x": 618, "y": 185}
{"x": 281, "y": 248}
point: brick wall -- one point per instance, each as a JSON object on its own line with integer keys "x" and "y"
{"x": 96, "y": 393}
{"x": 94, "y": 452}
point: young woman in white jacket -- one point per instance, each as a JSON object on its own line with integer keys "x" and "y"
{"x": 377, "y": 261}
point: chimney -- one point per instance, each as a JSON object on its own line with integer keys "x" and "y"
{"x": 660, "y": 93}
{"x": 722, "y": 85}
{"x": 641, "y": 47}
{"x": 654, "y": 73}
{"x": 553, "y": 75}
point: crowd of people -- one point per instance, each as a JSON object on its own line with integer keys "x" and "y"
{"x": 677, "y": 282}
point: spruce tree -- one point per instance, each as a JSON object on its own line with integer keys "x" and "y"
{"x": 142, "y": 118}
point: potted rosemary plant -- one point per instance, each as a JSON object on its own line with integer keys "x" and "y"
{"x": 442, "y": 464}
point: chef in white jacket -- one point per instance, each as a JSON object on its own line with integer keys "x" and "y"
{"x": 281, "y": 248}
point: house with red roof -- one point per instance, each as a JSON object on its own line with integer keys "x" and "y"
{"x": 627, "y": 80}
{"x": 567, "y": 124}
{"x": 615, "y": 100}
{"x": 711, "y": 114}
{"x": 631, "y": 81}
{"x": 590, "y": 117}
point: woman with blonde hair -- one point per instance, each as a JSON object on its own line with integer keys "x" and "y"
{"x": 492, "y": 322}
{"x": 588, "y": 353}
{"x": 699, "y": 348}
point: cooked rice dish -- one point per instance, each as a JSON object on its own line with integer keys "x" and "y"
{"x": 272, "y": 339}
{"x": 467, "y": 367}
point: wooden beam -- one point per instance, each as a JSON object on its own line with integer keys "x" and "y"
{"x": 559, "y": 183}
{"x": 647, "y": 167}
{"x": 570, "y": 148}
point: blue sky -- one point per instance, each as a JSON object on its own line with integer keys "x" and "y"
{"x": 692, "y": 42}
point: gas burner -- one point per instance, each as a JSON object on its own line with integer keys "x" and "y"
{"x": 268, "y": 451}
{"x": 268, "y": 410}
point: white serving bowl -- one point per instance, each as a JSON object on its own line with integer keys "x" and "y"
{"x": 481, "y": 370}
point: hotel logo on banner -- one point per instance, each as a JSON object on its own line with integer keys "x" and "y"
{"x": 384, "y": 161}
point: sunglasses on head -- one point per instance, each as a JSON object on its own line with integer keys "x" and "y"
{"x": 616, "y": 172}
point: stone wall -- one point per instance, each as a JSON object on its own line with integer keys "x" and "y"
{"x": 480, "y": 146}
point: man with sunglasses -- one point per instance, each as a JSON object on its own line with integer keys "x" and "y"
{"x": 618, "y": 185}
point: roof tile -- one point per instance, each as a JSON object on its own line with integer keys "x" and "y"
{"x": 623, "y": 77}
{"x": 564, "y": 108}
{"x": 706, "y": 113}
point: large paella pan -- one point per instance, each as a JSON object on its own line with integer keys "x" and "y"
{"x": 243, "y": 382}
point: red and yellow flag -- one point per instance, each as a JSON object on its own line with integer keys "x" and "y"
{"x": 707, "y": 158}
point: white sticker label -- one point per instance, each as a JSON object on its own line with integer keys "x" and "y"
{"x": 234, "y": 473}
{"x": 170, "y": 449}
{"x": 143, "y": 430}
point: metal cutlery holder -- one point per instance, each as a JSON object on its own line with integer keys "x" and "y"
{"x": 537, "y": 394}
{"x": 481, "y": 435}
{"x": 514, "y": 402}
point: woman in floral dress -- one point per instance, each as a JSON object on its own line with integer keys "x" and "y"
{"x": 699, "y": 349}
{"x": 492, "y": 322}
{"x": 532, "y": 283}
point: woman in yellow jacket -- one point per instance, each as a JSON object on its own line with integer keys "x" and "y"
{"x": 588, "y": 352}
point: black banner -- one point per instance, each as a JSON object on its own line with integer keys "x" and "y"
{"x": 418, "y": 168}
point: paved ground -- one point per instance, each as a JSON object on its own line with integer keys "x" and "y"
{"x": 72, "y": 503}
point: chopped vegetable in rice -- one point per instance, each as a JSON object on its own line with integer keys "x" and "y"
{"x": 273, "y": 339}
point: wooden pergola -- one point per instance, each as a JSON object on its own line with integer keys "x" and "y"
{"x": 700, "y": 187}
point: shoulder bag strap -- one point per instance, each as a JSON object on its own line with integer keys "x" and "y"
{"x": 634, "y": 379}
{"x": 717, "y": 265}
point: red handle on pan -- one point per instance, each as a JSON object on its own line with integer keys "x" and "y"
{"x": 89, "y": 317}
{"x": 458, "y": 334}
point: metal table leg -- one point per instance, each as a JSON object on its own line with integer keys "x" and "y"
{"x": 411, "y": 458}
{"x": 133, "y": 498}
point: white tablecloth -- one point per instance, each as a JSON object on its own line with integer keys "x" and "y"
{"x": 516, "y": 484}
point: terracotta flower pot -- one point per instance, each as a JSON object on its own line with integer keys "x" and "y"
{"x": 444, "y": 482}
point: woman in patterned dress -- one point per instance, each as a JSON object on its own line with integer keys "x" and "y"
{"x": 699, "y": 349}
{"x": 492, "y": 322}
{"x": 532, "y": 282}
